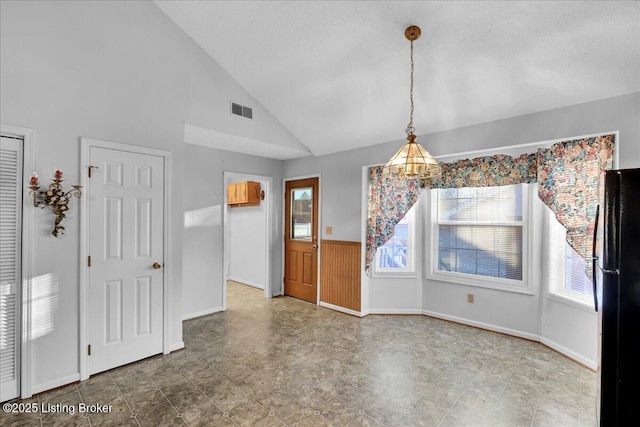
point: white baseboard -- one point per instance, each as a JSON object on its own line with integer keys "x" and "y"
{"x": 39, "y": 388}
{"x": 176, "y": 346}
{"x": 340, "y": 309}
{"x": 277, "y": 294}
{"x": 481, "y": 325}
{"x": 246, "y": 282}
{"x": 392, "y": 311}
{"x": 202, "y": 313}
{"x": 591, "y": 364}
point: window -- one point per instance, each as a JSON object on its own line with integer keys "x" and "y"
{"x": 567, "y": 278}
{"x": 398, "y": 254}
{"x": 575, "y": 275}
{"x": 301, "y": 213}
{"x": 479, "y": 235}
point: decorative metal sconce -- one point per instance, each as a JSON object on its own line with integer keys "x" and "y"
{"x": 55, "y": 197}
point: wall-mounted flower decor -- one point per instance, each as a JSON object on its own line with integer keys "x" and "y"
{"x": 55, "y": 197}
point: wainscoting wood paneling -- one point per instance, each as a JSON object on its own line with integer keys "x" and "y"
{"x": 340, "y": 273}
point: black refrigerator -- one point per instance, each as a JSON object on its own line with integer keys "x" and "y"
{"x": 620, "y": 357}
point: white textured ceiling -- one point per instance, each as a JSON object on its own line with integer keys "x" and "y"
{"x": 336, "y": 73}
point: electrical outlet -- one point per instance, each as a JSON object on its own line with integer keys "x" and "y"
{"x": 329, "y": 229}
{"x": 470, "y": 298}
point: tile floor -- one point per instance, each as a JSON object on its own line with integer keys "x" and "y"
{"x": 285, "y": 362}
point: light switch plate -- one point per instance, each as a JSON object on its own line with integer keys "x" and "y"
{"x": 329, "y": 229}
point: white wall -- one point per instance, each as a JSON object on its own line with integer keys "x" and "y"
{"x": 571, "y": 330}
{"x": 72, "y": 69}
{"x": 211, "y": 104}
{"x": 504, "y": 311}
{"x": 247, "y": 240}
{"x": 341, "y": 172}
{"x": 123, "y": 72}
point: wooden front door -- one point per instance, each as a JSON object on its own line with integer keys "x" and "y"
{"x": 301, "y": 239}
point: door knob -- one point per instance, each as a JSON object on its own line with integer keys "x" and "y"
{"x": 157, "y": 265}
{"x": 315, "y": 246}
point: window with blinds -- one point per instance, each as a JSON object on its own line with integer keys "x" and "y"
{"x": 480, "y": 233}
{"x": 10, "y": 238}
{"x": 575, "y": 277}
{"x": 567, "y": 271}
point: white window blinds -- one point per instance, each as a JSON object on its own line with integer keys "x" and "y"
{"x": 10, "y": 238}
{"x": 480, "y": 231}
{"x": 566, "y": 272}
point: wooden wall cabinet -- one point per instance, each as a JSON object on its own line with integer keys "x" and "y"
{"x": 244, "y": 193}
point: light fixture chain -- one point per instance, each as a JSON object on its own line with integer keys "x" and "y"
{"x": 410, "y": 129}
{"x": 412, "y": 161}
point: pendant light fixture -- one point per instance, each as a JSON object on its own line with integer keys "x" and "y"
{"x": 412, "y": 161}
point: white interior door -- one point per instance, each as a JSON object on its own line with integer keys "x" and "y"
{"x": 10, "y": 277}
{"x": 126, "y": 246}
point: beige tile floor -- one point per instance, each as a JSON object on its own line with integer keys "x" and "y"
{"x": 285, "y": 362}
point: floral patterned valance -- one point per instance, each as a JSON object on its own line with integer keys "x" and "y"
{"x": 568, "y": 175}
{"x": 488, "y": 171}
{"x": 390, "y": 198}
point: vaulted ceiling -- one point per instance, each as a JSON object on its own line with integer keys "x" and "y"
{"x": 336, "y": 73}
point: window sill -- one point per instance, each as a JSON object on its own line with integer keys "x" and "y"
{"x": 394, "y": 275}
{"x": 572, "y": 302}
{"x": 474, "y": 281}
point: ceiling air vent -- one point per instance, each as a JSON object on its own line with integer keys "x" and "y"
{"x": 241, "y": 110}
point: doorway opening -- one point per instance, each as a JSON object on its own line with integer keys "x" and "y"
{"x": 248, "y": 237}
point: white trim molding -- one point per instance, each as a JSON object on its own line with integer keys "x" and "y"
{"x": 201, "y": 313}
{"x": 591, "y": 364}
{"x": 559, "y": 297}
{"x": 340, "y": 309}
{"x": 526, "y": 285}
{"x": 482, "y": 325}
{"x": 176, "y": 346}
{"x": 85, "y": 150}
{"x": 59, "y": 382}
{"x": 402, "y": 311}
{"x": 515, "y": 150}
{"x": 246, "y": 282}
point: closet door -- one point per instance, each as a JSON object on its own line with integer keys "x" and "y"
{"x": 10, "y": 239}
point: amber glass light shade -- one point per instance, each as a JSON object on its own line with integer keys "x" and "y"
{"x": 412, "y": 161}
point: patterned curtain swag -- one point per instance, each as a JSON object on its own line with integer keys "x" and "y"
{"x": 568, "y": 175}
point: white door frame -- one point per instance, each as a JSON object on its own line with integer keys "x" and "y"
{"x": 284, "y": 224}
{"x": 227, "y": 178}
{"x": 28, "y": 226}
{"x": 85, "y": 149}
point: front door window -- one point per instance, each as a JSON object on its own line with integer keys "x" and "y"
{"x": 301, "y": 213}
